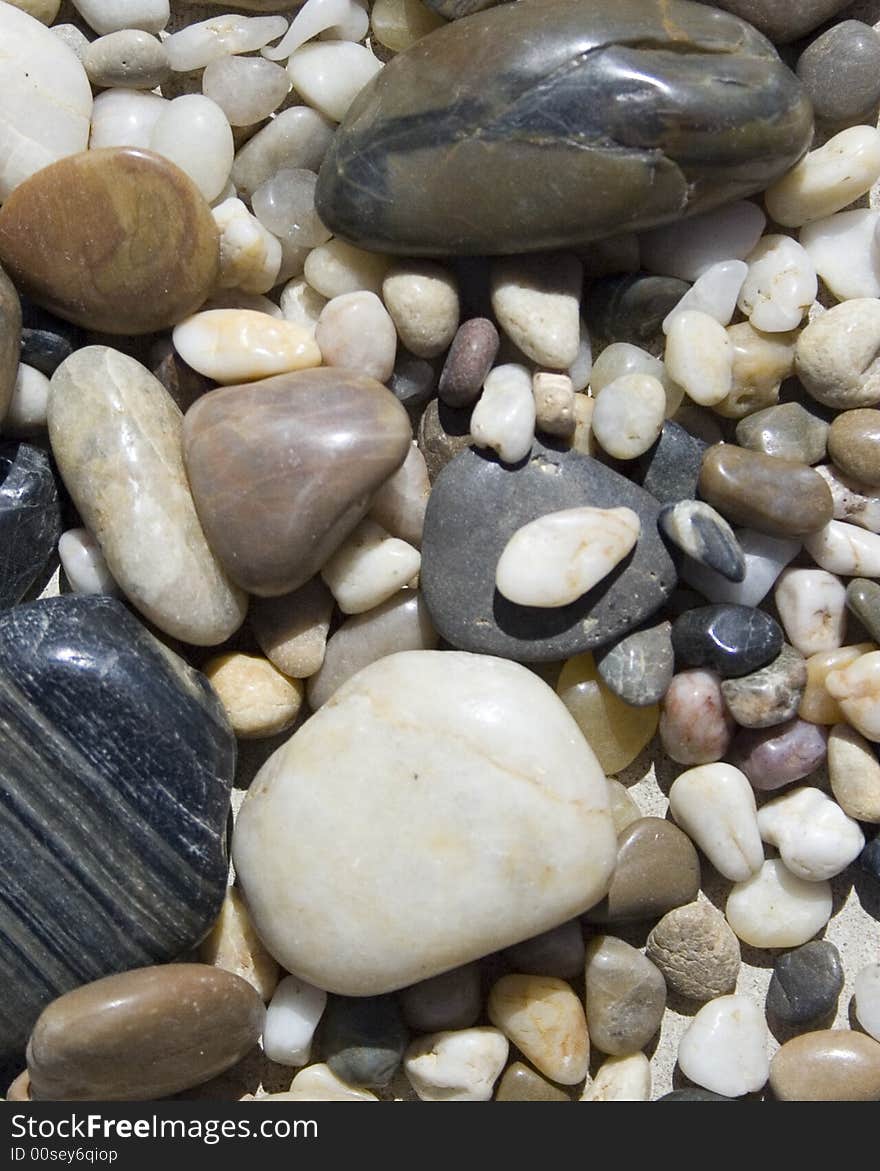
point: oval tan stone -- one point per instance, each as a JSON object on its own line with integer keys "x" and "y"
{"x": 543, "y": 1017}
{"x": 777, "y": 496}
{"x": 143, "y": 1034}
{"x": 831, "y": 1065}
{"x": 116, "y": 436}
{"x": 116, "y": 239}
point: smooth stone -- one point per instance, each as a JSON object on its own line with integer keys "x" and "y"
{"x": 456, "y": 9}
{"x": 788, "y": 431}
{"x": 625, "y": 996}
{"x": 615, "y": 731}
{"x": 143, "y": 1034}
{"x": 781, "y": 497}
{"x": 760, "y": 364}
{"x": 10, "y": 341}
{"x": 620, "y": 1079}
{"x": 247, "y": 89}
{"x": 724, "y": 1048}
{"x": 714, "y": 292}
{"x": 695, "y": 725}
{"x": 443, "y": 432}
{"x": 456, "y": 1066}
{"x": 775, "y": 908}
{"x": 96, "y": 211}
{"x": 301, "y": 304}
{"x": 826, "y": 179}
{"x": 863, "y": 599}
{"x": 696, "y": 951}
{"x": 363, "y": 1039}
{"x": 46, "y": 340}
{"x": 258, "y": 700}
{"x": 292, "y": 628}
{"x": 806, "y": 984}
{"x": 368, "y": 568}
{"x": 777, "y": 756}
{"x": 698, "y": 530}
{"x": 136, "y": 742}
{"x": 399, "y": 505}
{"x": 336, "y": 267}
{"x": 620, "y": 359}
{"x": 624, "y": 810}
{"x": 770, "y": 696}
{"x": 866, "y": 991}
{"x": 840, "y": 71}
{"x": 323, "y": 441}
{"x": 817, "y": 705}
{"x": 629, "y": 414}
{"x": 503, "y": 418}
{"x": 84, "y": 565}
{"x": 198, "y": 44}
{"x": 129, "y": 58}
{"x": 470, "y": 358}
{"x": 639, "y": 668}
{"x": 292, "y": 1019}
{"x": 296, "y": 138}
{"x": 536, "y": 301}
{"x": 558, "y": 952}
{"x": 732, "y": 640}
{"x": 422, "y": 299}
{"x": 233, "y": 944}
{"x": 869, "y": 859}
{"x": 106, "y": 16}
{"x": 521, "y": 1084}
{"x": 699, "y": 357}
{"x": 490, "y": 747}
{"x": 815, "y": 838}
{"x": 632, "y": 308}
{"x": 329, "y": 75}
{"x": 845, "y": 549}
{"x": 250, "y": 256}
{"x": 26, "y": 414}
{"x": 232, "y": 346}
{"x": 452, "y": 1000}
{"x": 477, "y": 505}
{"x": 47, "y": 99}
{"x": 812, "y": 608}
{"x": 488, "y": 196}
{"x": 715, "y": 805}
{"x": 355, "y": 332}
{"x": 856, "y": 503}
{"x": 855, "y": 688}
{"x": 318, "y": 1083}
{"x": 657, "y": 869}
{"x": 854, "y": 774}
{"x": 689, "y": 247}
{"x": 544, "y": 1019}
{"x": 854, "y": 445}
{"x": 397, "y": 24}
{"x": 782, "y": 22}
{"x": 671, "y": 469}
{"x": 116, "y": 436}
{"x": 844, "y": 251}
{"x": 694, "y": 1094}
{"x": 836, "y": 358}
{"x": 831, "y": 1065}
{"x": 780, "y": 287}
{"x": 30, "y": 518}
{"x": 125, "y": 118}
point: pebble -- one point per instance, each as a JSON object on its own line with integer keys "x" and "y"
{"x": 106, "y": 16}
{"x": 788, "y": 431}
{"x": 336, "y": 267}
{"x": 318, "y": 1083}
{"x": 781, "y": 497}
{"x": 295, "y": 139}
{"x": 840, "y": 71}
{"x": 671, "y": 468}
{"x": 125, "y": 118}
{"x": 555, "y": 559}
{"x": 657, "y": 869}
{"x": 869, "y": 859}
{"x": 620, "y": 1079}
{"x": 625, "y": 996}
{"x": 128, "y": 58}
{"x": 344, "y": 19}
{"x": 844, "y": 251}
{"x": 812, "y": 608}
{"x": 832, "y": 1065}
{"x": 624, "y": 810}
{"x": 695, "y": 725}
{"x": 26, "y": 414}
{"x": 470, "y": 358}
{"x": 775, "y": 908}
{"x": 250, "y": 257}
{"x": 815, "y": 838}
{"x": 141, "y": 206}
{"x": 554, "y": 404}
{"x": 300, "y": 303}
{"x": 638, "y": 669}
{"x": 688, "y": 248}
{"x": 781, "y": 284}
{"x": 422, "y": 299}
{"x": 732, "y": 640}
{"x": 294, "y": 1013}
{"x": 696, "y": 951}
{"x": 193, "y": 132}
{"x": 715, "y": 292}
{"x": 504, "y": 417}
{"x": 452, "y": 1000}
{"x": 355, "y": 332}
{"x": 698, "y": 530}
{"x": 458, "y": 1066}
{"x": 827, "y": 179}
{"x": 845, "y": 549}
{"x": 399, "y": 505}
{"x": 621, "y": 359}
{"x": 536, "y": 300}
{"x": 285, "y": 203}
{"x": 777, "y": 756}
{"x": 724, "y": 1048}
{"x": 196, "y": 45}
{"x": 247, "y": 89}
{"x": 329, "y": 75}
{"x": 363, "y": 1039}
{"x": 616, "y": 731}
{"x": 836, "y": 353}
{"x": 453, "y": 208}
{"x": 558, "y": 952}
{"x": 397, "y": 24}
{"x": 258, "y": 700}
{"x": 853, "y": 502}
{"x": 46, "y": 340}
{"x": 521, "y": 1084}
{"x": 699, "y": 358}
{"x": 806, "y": 984}
{"x": 471, "y": 730}
{"x": 817, "y": 705}
{"x": 854, "y": 773}
{"x": 866, "y": 989}
{"x": 232, "y": 944}
{"x": 770, "y": 696}
{"x": 854, "y": 445}
{"x": 544, "y": 1019}
{"x": 443, "y": 433}
{"x": 631, "y": 308}
{"x": 628, "y": 415}
{"x": 369, "y": 567}
{"x": 30, "y": 519}
{"x": 45, "y": 11}
{"x": 242, "y": 345}
{"x": 854, "y": 686}
{"x": 761, "y": 362}
{"x": 84, "y": 565}
{"x": 292, "y": 629}
{"x": 715, "y": 806}
{"x": 863, "y": 599}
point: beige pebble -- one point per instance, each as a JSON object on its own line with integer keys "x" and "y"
{"x": 536, "y": 300}
{"x": 459, "y": 1066}
{"x": 847, "y": 549}
{"x": 780, "y": 287}
{"x": 250, "y": 256}
{"x": 695, "y": 949}
{"x": 715, "y": 805}
{"x": 247, "y": 89}
{"x": 355, "y": 332}
{"x": 761, "y": 361}
{"x": 259, "y": 701}
{"x": 335, "y": 268}
{"x": 543, "y": 1017}
{"x": 129, "y": 58}
{"x": 292, "y": 628}
{"x": 830, "y": 1065}
{"x": 297, "y": 137}
{"x": 856, "y": 687}
{"x": 504, "y": 417}
{"x": 812, "y": 607}
{"x": 620, "y": 1079}
{"x": 318, "y": 1083}
{"x": 699, "y": 357}
{"x": 399, "y": 505}
{"x": 625, "y": 996}
{"x": 854, "y": 773}
{"x": 422, "y": 298}
{"x": 554, "y": 403}
{"x": 583, "y": 439}
{"x": 622, "y": 358}
{"x": 234, "y": 945}
{"x": 858, "y": 504}
{"x": 837, "y": 355}
{"x": 44, "y": 11}
{"x": 817, "y": 705}
{"x": 368, "y": 567}
{"x": 194, "y": 133}
{"x": 629, "y": 415}
{"x": 826, "y": 179}
{"x": 774, "y": 908}
{"x": 238, "y": 345}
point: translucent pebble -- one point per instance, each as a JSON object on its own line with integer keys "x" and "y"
{"x": 715, "y": 292}
{"x": 766, "y": 557}
{"x": 285, "y": 204}
{"x": 827, "y": 179}
{"x": 687, "y": 248}
{"x": 84, "y": 565}
{"x": 298, "y": 137}
{"x": 291, "y": 1020}
{"x": 316, "y": 16}
{"x": 621, "y": 358}
{"x": 629, "y": 414}
{"x": 247, "y": 89}
{"x": 250, "y": 256}
{"x": 581, "y": 368}
{"x": 109, "y": 16}
{"x": 197, "y": 45}
{"x": 845, "y": 250}
{"x": 330, "y": 74}
{"x": 867, "y": 999}
{"x": 780, "y": 286}
{"x": 125, "y": 117}
{"x": 504, "y": 417}
{"x": 336, "y": 267}
{"x": 192, "y": 131}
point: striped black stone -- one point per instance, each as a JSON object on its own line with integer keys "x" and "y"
{"x": 30, "y": 518}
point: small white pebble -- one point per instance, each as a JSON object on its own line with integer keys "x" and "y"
{"x": 192, "y": 131}
{"x": 844, "y": 548}
{"x": 856, "y": 687}
{"x": 688, "y": 248}
{"x": 715, "y": 292}
{"x": 296, "y": 138}
{"x": 301, "y": 304}
{"x": 336, "y": 268}
{"x": 827, "y": 179}
{"x": 858, "y": 504}
{"x": 629, "y": 415}
{"x": 812, "y": 608}
{"x": 110, "y": 16}
{"x": 285, "y": 204}
{"x": 422, "y": 298}
{"x": 399, "y": 505}
{"x": 620, "y": 1079}
{"x": 867, "y": 999}
{"x": 536, "y": 300}
{"x": 554, "y": 403}
{"x": 699, "y": 357}
{"x": 815, "y": 838}
{"x": 291, "y": 1020}
{"x": 247, "y": 89}
{"x": 845, "y": 251}
{"x": 125, "y": 117}
{"x": 199, "y": 44}
{"x": 317, "y": 16}
{"x": 84, "y": 565}
{"x": 460, "y": 1066}
{"x": 775, "y": 908}
{"x": 26, "y": 413}
{"x": 355, "y": 332}
{"x": 239, "y": 345}
{"x": 724, "y": 1048}
{"x": 546, "y": 1021}
{"x": 622, "y": 358}
{"x": 369, "y": 567}
{"x": 504, "y": 417}
{"x": 715, "y": 805}
{"x": 780, "y": 287}
{"x": 329, "y": 75}
{"x": 250, "y": 257}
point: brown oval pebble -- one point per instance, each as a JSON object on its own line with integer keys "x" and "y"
{"x": 657, "y": 869}
{"x": 625, "y": 996}
{"x": 117, "y": 239}
{"x": 854, "y": 444}
{"x": 781, "y": 497}
{"x": 696, "y": 951}
{"x": 831, "y": 1065}
{"x": 469, "y": 360}
{"x": 143, "y": 1034}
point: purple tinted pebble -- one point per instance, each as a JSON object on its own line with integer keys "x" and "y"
{"x": 469, "y": 360}
{"x": 773, "y": 757}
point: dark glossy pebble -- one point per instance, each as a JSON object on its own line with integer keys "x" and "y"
{"x": 854, "y": 445}
{"x": 639, "y": 668}
{"x": 631, "y": 308}
{"x": 863, "y": 600}
{"x": 869, "y": 860}
{"x": 732, "y": 640}
{"x": 46, "y": 340}
{"x": 671, "y": 468}
{"x": 363, "y": 1039}
{"x": 30, "y": 518}
{"x": 469, "y": 360}
{"x": 475, "y": 507}
{"x": 694, "y": 1095}
{"x": 789, "y": 431}
{"x": 115, "y": 778}
{"x": 840, "y": 71}
{"x": 783, "y": 20}
{"x": 805, "y": 984}
{"x": 698, "y": 530}
{"x": 532, "y": 143}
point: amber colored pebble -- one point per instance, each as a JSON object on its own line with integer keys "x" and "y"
{"x": 817, "y": 706}
{"x": 657, "y": 869}
{"x": 616, "y": 731}
{"x": 782, "y": 497}
{"x": 117, "y": 239}
{"x": 521, "y": 1084}
{"x": 831, "y": 1065}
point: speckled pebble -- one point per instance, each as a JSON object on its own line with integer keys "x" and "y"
{"x": 639, "y": 668}
{"x": 696, "y": 951}
{"x": 789, "y": 431}
{"x": 769, "y": 696}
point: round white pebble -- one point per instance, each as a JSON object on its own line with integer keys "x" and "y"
{"x": 291, "y": 1020}
{"x": 715, "y": 805}
{"x": 84, "y": 565}
{"x": 629, "y": 415}
{"x": 775, "y": 908}
{"x": 504, "y": 417}
{"x": 460, "y": 1066}
{"x": 724, "y": 1049}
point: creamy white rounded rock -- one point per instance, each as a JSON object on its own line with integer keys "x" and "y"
{"x": 815, "y": 838}
{"x": 292, "y": 1017}
{"x": 554, "y": 403}
{"x": 536, "y": 300}
{"x": 399, "y": 505}
{"x": 199, "y": 44}
{"x": 460, "y": 1066}
{"x": 628, "y": 416}
{"x": 475, "y": 809}
{"x": 544, "y": 1018}
{"x": 250, "y": 257}
{"x": 715, "y": 292}
{"x": 780, "y": 286}
{"x": 504, "y": 417}
{"x": 347, "y": 19}
{"x": 369, "y": 567}
{"x": 812, "y": 608}
{"x": 330, "y": 74}
{"x": 84, "y": 565}
{"x": 355, "y": 331}
{"x": 866, "y": 989}
{"x": 725, "y": 1047}
{"x": 109, "y": 16}
{"x": 422, "y": 298}
{"x": 715, "y": 805}
{"x": 699, "y": 357}
{"x": 26, "y": 413}
{"x": 856, "y": 687}
{"x": 622, "y": 358}
{"x": 775, "y": 908}
{"x": 620, "y": 1079}
{"x": 193, "y": 132}
{"x": 239, "y": 345}
{"x": 301, "y": 304}
{"x": 845, "y": 251}
{"x": 318, "y": 1083}
{"x": 336, "y": 267}
{"x": 827, "y": 179}
{"x": 247, "y": 89}
{"x": 845, "y": 548}
{"x": 296, "y": 138}
{"x": 125, "y": 117}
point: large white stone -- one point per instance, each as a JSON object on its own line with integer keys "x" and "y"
{"x": 715, "y": 805}
{"x": 725, "y": 1047}
{"x": 440, "y": 806}
{"x": 45, "y": 99}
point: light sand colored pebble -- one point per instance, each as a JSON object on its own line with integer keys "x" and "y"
{"x": 330, "y": 74}
{"x": 452, "y": 1000}
{"x": 844, "y": 548}
{"x": 107, "y": 16}
{"x": 622, "y": 358}
{"x": 780, "y": 287}
{"x": 775, "y": 908}
{"x": 854, "y": 773}
{"x": 44, "y": 11}
{"x": 294, "y": 1013}
{"x": 355, "y": 332}
{"x": 247, "y": 89}
{"x": 336, "y": 267}
{"x": 855, "y": 503}
{"x": 258, "y": 700}
{"x": 504, "y": 417}
{"x": 827, "y": 179}
{"x": 399, "y": 505}
{"x": 422, "y": 298}
{"x": 84, "y": 565}
{"x": 580, "y": 369}
{"x": 856, "y": 687}
{"x": 629, "y": 415}
{"x": 26, "y": 413}
{"x": 867, "y": 999}
{"x": 234, "y": 945}
{"x": 715, "y": 805}
{"x": 543, "y": 1017}
{"x": 760, "y": 363}
{"x": 459, "y": 1066}
{"x": 192, "y": 131}
{"x": 301, "y": 304}
{"x": 554, "y": 403}
{"x": 695, "y": 949}
{"x": 845, "y": 253}
{"x": 536, "y": 300}
{"x": 715, "y": 292}
{"x": 625, "y": 996}
{"x": 128, "y": 58}
{"x": 815, "y": 838}
{"x": 837, "y": 355}
{"x": 250, "y": 257}
{"x": 817, "y": 705}
{"x": 292, "y": 628}
{"x": 368, "y": 567}
{"x": 699, "y": 357}
{"x": 197, "y": 45}
{"x": 725, "y": 1048}
{"x": 812, "y": 608}
{"x": 620, "y": 1079}
{"x": 238, "y": 345}
{"x": 125, "y": 117}
{"x": 318, "y": 1083}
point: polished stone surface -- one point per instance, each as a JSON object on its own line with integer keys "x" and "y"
{"x": 283, "y": 470}
{"x": 841, "y": 72}
{"x": 782, "y": 497}
{"x": 30, "y": 518}
{"x": 698, "y": 530}
{"x": 854, "y": 445}
{"x": 639, "y": 668}
{"x": 657, "y": 869}
{"x": 863, "y": 600}
{"x": 783, "y": 20}
{"x": 116, "y": 239}
{"x": 831, "y": 1065}
{"x": 118, "y": 761}
{"x": 770, "y": 695}
{"x": 788, "y": 430}
{"x": 805, "y": 984}
{"x": 10, "y": 340}
{"x": 671, "y": 469}
{"x": 732, "y": 640}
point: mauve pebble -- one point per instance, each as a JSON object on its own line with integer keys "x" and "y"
{"x": 695, "y": 725}
{"x": 469, "y": 360}
{"x": 773, "y": 757}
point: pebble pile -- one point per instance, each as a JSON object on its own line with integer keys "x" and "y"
{"x": 464, "y": 473}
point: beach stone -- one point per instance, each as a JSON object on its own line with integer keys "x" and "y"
{"x": 399, "y": 505}
{"x": 558, "y": 952}
{"x": 869, "y": 859}
{"x": 714, "y": 292}
{"x": 671, "y": 469}
{"x": 233, "y": 944}
{"x": 831, "y": 1065}
{"x": 780, "y": 287}
{"x": 536, "y": 300}
{"x": 454, "y": 208}
{"x": 230, "y": 346}
{"x": 863, "y": 599}
{"x": 700, "y": 532}
{"x": 456, "y": 1066}
{"x": 554, "y": 404}
{"x": 639, "y": 668}
{"x": 732, "y": 640}
{"x": 30, "y": 518}
{"x": 85, "y": 568}
{"x": 788, "y": 431}
{"x": 422, "y": 299}
{"x": 769, "y": 696}
{"x": 355, "y": 332}
{"x": 625, "y": 996}
{"x": 476, "y": 506}
{"x": 521, "y": 1084}
{"x": 836, "y": 355}
{"x": 805, "y": 984}
{"x": 724, "y": 1048}
{"x": 318, "y": 1083}
{"x": 543, "y": 1017}
{"x": 775, "y": 908}
{"x": 129, "y": 58}
{"x": 397, "y": 24}
{"x": 98, "y": 211}
{"x": 363, "y": 1039}
{"x": 325, "y": 440}
{"x": 616, "y": 731}
{"x": 842, "y": 250}
{"x": 856, "y": 503}
{"x": 419, "y": 715}
{"x": 116, "y": 435}
{"x": 854, "y": 445}
{"x": 696, "y": 951}
{"x": 695, "y": 725}
{"x": 143, "y": 1034}
{"x": 854, "y": 773}
{"x": 295, "y": 139}
{"x": 783, "y": 22}
{"x": 715, "y": 806}
{"x": 657, "y": 869}
{"x": 855, "y": 687}
{"x": 629, "y": 414}
{"x": 137, "y": 742}
{"x": 247, "y": 89}
{"x": 815, "y": 838}
{"x": 818, "y": 706}
{"x": 443, "y": 433}
{"x": 10, "y": 340}
{"x": 761, "y": 362}
{"x": 777, "y": 756}
{"x": 699, "y": 357}
{"x": 631, "y": 307}
{"x": 781, "y": 497}
{"x": 840, "y": 71}
{"x": 621, "y": 359}
{"x": 866, "y": 991}
{"x": 470, "y": 358}
{"x": 292, "y": 1019}
{"x": 812, "y": 608}
{"x": 292, "y": 628}
{"x": 827, "y": 179}
{"x": 452, "y": 1000}
{"x": 620, "y": 1079}
{"x": 504, "y": 416}
{"x": 258, "y": 700}
{"x": 368, "y": 568}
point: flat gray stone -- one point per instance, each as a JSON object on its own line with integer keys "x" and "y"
{"x": 639, "y": 668}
